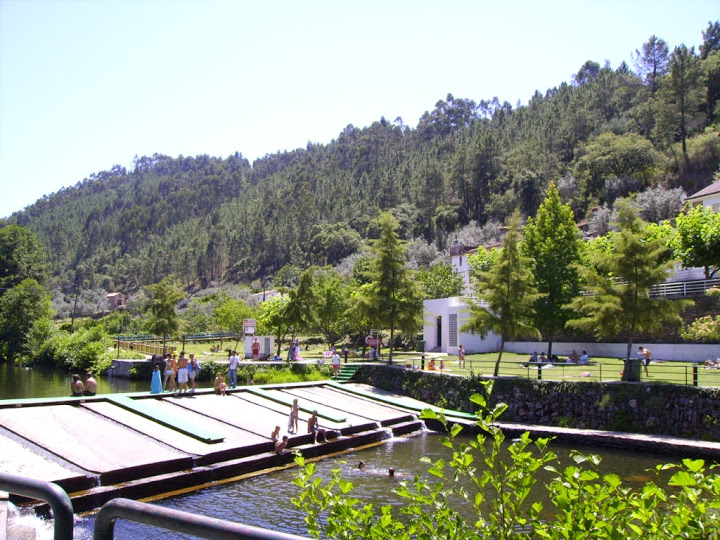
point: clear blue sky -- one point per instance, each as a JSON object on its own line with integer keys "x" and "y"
{"x": 87, "y": 84}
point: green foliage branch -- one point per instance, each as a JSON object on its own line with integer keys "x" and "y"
{"x": 502, "y": 495}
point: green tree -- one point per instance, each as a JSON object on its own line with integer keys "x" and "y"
{"x": 331, "y": 302}
{"x": 553, "y": 243}
{"x": 20, "y": 307}
{"x": 652, "y": 61}
{"x": 615, "y": 156}
{"x": 683, "y": 92}
{"x": 272, "y": 319}
{"x": 619, "y": 283}
{"x": 391, "y": 299}
{"x": 21, "y": 257}
{"x": 331, "y": 242}
{"x": 230, "y": 314}
{"x": 299, "y": 311}
{"x": 440, "y": 281}
{"x": 507, "y": 294}
{"x": 697, "y": 241}
{"x": 163, "y": 319}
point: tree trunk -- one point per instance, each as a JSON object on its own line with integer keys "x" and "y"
{"x": 550, "y": 344}
{"x": 497, "y": 363}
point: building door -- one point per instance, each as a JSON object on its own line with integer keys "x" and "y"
{"x": 438, "y": 336}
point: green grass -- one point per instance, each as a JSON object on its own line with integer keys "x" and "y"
{"x": 605, "y": 369}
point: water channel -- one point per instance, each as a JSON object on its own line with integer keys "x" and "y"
{"x": 19, "y": 382}
{"x": 264, "y": 500}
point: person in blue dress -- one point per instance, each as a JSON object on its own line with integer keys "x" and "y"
{"x": 156, "y": 381}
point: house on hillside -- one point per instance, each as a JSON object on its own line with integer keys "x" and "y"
{"x": 116, "y": 300}
{"x": 708, "y": 197}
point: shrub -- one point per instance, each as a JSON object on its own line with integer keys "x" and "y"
{"x": 584, "y": 503}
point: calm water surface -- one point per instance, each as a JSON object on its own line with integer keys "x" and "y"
{"x": 19, "y": 382}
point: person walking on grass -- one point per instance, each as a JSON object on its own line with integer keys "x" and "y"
{"x": 645, "y": 354}
{"x": 461, "y": 356}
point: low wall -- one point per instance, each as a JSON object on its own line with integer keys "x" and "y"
{"x": 663, "y": 409}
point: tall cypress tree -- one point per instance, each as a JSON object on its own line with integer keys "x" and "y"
{"x": 392, "y": 299}
{"x": 619, "y": 283}
{"x": 553, "y": 243}
{"x": 507, "y": 293}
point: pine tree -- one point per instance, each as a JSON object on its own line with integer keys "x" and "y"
{"x": 619, "y": 283}
{"x": 507, "y": 293}
{"x": 392, "y": 299}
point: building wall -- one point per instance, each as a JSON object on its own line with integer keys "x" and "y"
{"x": 445, "y": 308}
{"x": 453, "y": 313}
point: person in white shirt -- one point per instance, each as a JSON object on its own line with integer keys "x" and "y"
{"x": 232, "y": 371}
{"x": 336, "y": 363}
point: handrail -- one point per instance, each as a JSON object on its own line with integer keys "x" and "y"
{"x": 52, "y": 494}
{"x": 178, "y": 521}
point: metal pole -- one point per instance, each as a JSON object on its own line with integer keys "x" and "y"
{"x": 422, "y": 361}
{"x": 695, "y": 374}
{"x": 178, "y": 521}
{"x": 54, "y": 495}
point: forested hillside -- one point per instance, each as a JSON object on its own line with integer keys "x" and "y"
{"x": 610, "y": 133}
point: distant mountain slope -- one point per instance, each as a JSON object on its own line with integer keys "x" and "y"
{"x": 206, "y": 218}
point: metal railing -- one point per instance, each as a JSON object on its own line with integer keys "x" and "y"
{"x": 683, "y": 288}
{"x": 54, "y": 495}
{"x": 659, "y": 371}
{"x": 178, "y": 521}
{"x": 148, "y": 514}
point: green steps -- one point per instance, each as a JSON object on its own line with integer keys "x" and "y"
{"x": 347, "y": 371}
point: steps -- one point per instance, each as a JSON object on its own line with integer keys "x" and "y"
{"x": 347, "y": 371}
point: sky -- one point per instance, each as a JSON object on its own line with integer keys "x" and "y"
{"x": 88, "y": 84}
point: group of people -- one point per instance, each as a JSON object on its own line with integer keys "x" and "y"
{"x": 182, "y": 368}
{"x": 573, "y": 358}
{"x": 88, "y": 388}
{"x": 313, "y": 426}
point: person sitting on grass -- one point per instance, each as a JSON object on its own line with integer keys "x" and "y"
{"x": 431, "y": 364}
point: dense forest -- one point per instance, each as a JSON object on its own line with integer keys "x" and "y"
{"x": 610, "y": 133}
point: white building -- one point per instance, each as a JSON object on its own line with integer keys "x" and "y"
{"x": 443, "y": 319}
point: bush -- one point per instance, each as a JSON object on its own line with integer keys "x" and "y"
{"x": 583, "y": 503}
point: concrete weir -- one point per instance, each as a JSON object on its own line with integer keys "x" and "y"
{"x": 144, "y": 445}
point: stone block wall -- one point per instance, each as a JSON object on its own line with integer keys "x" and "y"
{"x": 665, "y": 409}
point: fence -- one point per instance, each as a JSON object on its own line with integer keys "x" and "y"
{"x": 143, "y": 347}
{"x": 683, "y": 373}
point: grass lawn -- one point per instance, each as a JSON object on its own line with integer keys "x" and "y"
{"x": 604, "y": 369}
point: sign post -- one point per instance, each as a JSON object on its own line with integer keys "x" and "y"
{"x": 249, "y": 326}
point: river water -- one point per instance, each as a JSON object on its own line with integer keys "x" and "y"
{"x": 264, "y": 501}
{"x": 19, "y": 382}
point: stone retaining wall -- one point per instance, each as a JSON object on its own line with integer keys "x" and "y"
{"x": 664, "y": 409}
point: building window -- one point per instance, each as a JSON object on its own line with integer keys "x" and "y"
{"x": 452, "y": 331}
